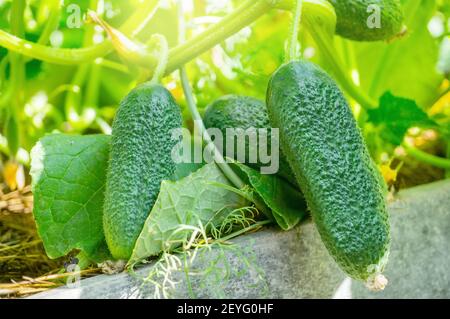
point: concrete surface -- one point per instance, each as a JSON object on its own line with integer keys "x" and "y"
{"x": 295, "y": 264}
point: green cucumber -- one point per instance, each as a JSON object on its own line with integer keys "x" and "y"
{"x": 354, "y": 19}
{"x": 325, "y": 149}
{"x": 242, "y": 112}
{"x": 140, "y": 158}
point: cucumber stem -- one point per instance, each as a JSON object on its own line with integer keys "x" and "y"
{"x": 295, "y": 26}
{"x": 198, "y": 121}
{"x": 7, "y": 92}
{"x": 164, "y": 57}
{"x": 112, "y": 65}
{"x": 72, "y": 101}
{"x": 218, "y": 158}
{"x": 92, "y": 87}
{"x": 92, "y": 90}
{"x": 427, "y": 158}
{"x": 54, "y": 8}
{"x": 17, "y": 79}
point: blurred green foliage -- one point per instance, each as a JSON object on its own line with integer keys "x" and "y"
{"x": 83, "y": 98}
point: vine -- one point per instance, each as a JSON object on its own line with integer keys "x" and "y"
{"x": 316, "y": 12}
{"x": 295, "y": 25}
{"x": 220, "y": 161}
{"x": 160, "y": 69}
{"x": 426, "y": 158}
{"x": 17, "y": 80}
{"x": 38, "y": 51}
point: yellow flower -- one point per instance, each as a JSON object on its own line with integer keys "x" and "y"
{"x": 10, "y": 174}
{"x": 390, "y": 174}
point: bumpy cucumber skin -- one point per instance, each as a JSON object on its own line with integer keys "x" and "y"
{"x": 140, "y": 158}
{"x": 352, "y": 18}
{"x": 326, "y": 151}
{"x": 236, "y": 111}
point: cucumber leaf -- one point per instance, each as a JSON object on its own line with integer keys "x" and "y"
{"x": 196, "y": 198}
{"x": 396, "y": 115}
{"x": 287, "y": 204}
{"x": 68, "y": 179}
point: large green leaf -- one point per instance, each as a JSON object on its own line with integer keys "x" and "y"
{"x": 195, "y": 199}
{"x": 68, "y": 175}
{"x": 287, "y": 205}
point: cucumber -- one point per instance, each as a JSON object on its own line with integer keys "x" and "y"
{"x": 353, "y": 17}
{"x": 140, "y": 158}
{"x": 325, "y": 149}
{"x": 234, "y": 111}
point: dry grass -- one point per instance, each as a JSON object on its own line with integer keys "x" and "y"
{"x": 24, "y": 266}
{"x": 29, "y": 286}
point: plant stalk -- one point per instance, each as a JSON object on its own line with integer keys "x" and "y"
{"x": 77, "y": 56}
{"x": 198, "y": 121}
{"x": 17, "y": 79}
{"x": 160, "y": 69}
{"x": 295, "y": 26}
{"x": 427, "y": 158}
{"x": 244, "y": 15}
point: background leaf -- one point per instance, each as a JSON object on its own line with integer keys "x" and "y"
{"x": 68, "y": 183}
{"x": 395, "y": 116}
{"x": 287, "y": 204}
